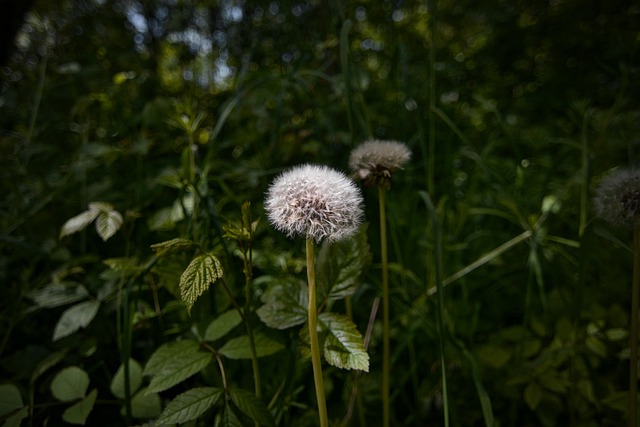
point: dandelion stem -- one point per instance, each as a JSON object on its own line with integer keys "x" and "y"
{"x": 313, "y": 336}
{"x": 386, "y": 353}
{"x": 633, "y": 359}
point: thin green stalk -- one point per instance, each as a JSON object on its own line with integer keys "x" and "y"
{"x": 633, "y": 360}
{"x": 432, "y": 97}
{"x": 386, "y": 352}
{"x": 313, "y": 336}
{"x": 437, "y": 234}
{"x": 248, "y": 273}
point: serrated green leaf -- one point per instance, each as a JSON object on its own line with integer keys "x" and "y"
{"x": 10, "y": 399}
{"x": 69, "y": 384}
{"x": 533, "y": 395}
{"x": 340, "y": 265}
{"x": 222, "y": 325}
{"x": 75, "y": 317}
{"x": 176, "y": 365}
{"x": 145, "y": 405}
{"x": 78, "y": 222}
{"x": 239, "y": 348}
{"x": 229, "y": 418}
{"x": 78, "y": 413}
{"x": 198, "y": 276}
{"x": 249, "y": 404}
{"x": 343, "y": 345}
{"x": 285, "y": 304}
{"x": 135, "y": 379}
{"x": 107, "y": 223}
{"x": 169, "y": 354}
{"x": 173, "y": 245}
{"x": 189, "y": 405}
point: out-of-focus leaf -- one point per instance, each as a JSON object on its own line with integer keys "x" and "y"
{"x": 533, "y": 395}
{"x": 172, "y": 245}
{"x": 239, "y": 348}
{"x": 189, "y": 405}
{"x": 343, "y": 345}
{"x": 285, "y": 304}
{"x": 70, "y": 384}
{"x": 229, "y": 418}
{"x": 340, "y": 265}
{"x": 78, "y": 222}
{"x": 495, "y": 356}
{"x": 251, "y": 406}
{"x": 203, "y": 271}
{"x": 78, "y": 413}
{"x": 135, "y": 379}
{"x": 58, "y": 294}
{"x": 222, "y": 325}
{"x": 107, "y": 223}
{"x": 173, "y": 363}
{"x": 145, "y": 405}
{"x": 75, "y": 317}
{"x": 10, "y": 399}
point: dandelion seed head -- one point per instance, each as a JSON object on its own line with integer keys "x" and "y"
{"x": 314, "y": 202}
{"x": 374, "y": 161}
{"x": 617, "y": 199}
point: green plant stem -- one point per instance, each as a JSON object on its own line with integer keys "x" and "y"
{"x": 633, "y": 358}
{"x": 437, "y": 234}
{"x": 431, "y": 5}
{"x": 313, "y": 336}
{"x": 386, "y": 330}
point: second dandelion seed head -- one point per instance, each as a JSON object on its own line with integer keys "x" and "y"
{"x": 617, "y": 199}
{"x": 374, "y": 161}
{"x": 314, "y": 202}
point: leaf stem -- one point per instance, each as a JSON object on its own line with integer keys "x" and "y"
{"x": 313, "y": 336}
{"x": 386, "y": 330}
{"x": 633, "y": 359}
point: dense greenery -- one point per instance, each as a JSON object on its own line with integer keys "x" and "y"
{"x": 159, "y": 125}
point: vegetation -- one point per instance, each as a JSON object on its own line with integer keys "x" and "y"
{"x": 143, "y": 284}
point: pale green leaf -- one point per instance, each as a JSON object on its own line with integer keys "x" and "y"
{"x": 172, "y": 245}
{"x": 343, "y": 345}
{"x": 145, "y": 405}
{"x": 78, "y": 222}
{"x": 70, "y": 384}
{"x": 189, "y": 405}
{"x": 249, "y": 404}
{"x": 533, "y": 395}
{"x": 58, "y": 294}
{"x": 78, "y": 413}
{"x": 135, "y": 379}
{"x": 239, "y": 348}
{"x": 74, "y": 318}
{"x": 176, "y": 366}
{"x": 10, "y": 399}
{"x": 285, "y": 304}
{"x": 198, "y": 276}
{"x": 222, "y": 325}
{"x": 107, "y": 223}
{"x": 340, "y": 265}
{"x": 169, "y": 354}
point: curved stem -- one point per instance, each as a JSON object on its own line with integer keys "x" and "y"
{"x": 313, "y": 337}
{"x": 386, "y": 330}
{"x": 633, "y": 359}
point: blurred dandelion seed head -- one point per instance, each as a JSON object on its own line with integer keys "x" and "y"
{"x": 617, "y": 199}
{"x": 314, "y": 202}
{"x": 374, "y": 161}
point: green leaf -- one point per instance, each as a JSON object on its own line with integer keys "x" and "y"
{"x": 135, "y": 379}
{"x": 495, "y": 356}
{"x": 249, "y": 404}
{"x": 189, "y": 405}
{"x": 198, "y": 276}
{"x": 75, "y": 317}
{"x": 239, "y": 348}
{"x": 10, "y": 399}
{"x": 173, "y": 245}
{"x": 222, "y": 325}
{"x": 15, "y": 420}
{"x": 123, "y": 264}
{"x": 107, "y": 223}
{"x": 285, "y": 304}
{"x": 229, "y": 418}
{"x": 343, "y": 346}
{"x": 78, "y": 222}
{"x": 173, "y": 363}
{"x": 145, "y": 405}
{"x": 70, "y": 384}
{"x": 47, "y": 363}
{"x": 340, "y": 265}
{"x": 78, "y": 413}
{"x": 533, "y": 395}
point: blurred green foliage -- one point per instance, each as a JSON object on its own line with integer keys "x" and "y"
{"x": 171, "y": 114}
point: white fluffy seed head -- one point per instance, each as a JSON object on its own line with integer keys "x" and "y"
{"x": 314, "y": 202}
{"x": 374, "y": 161}
{"x": 617, "y": 199}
